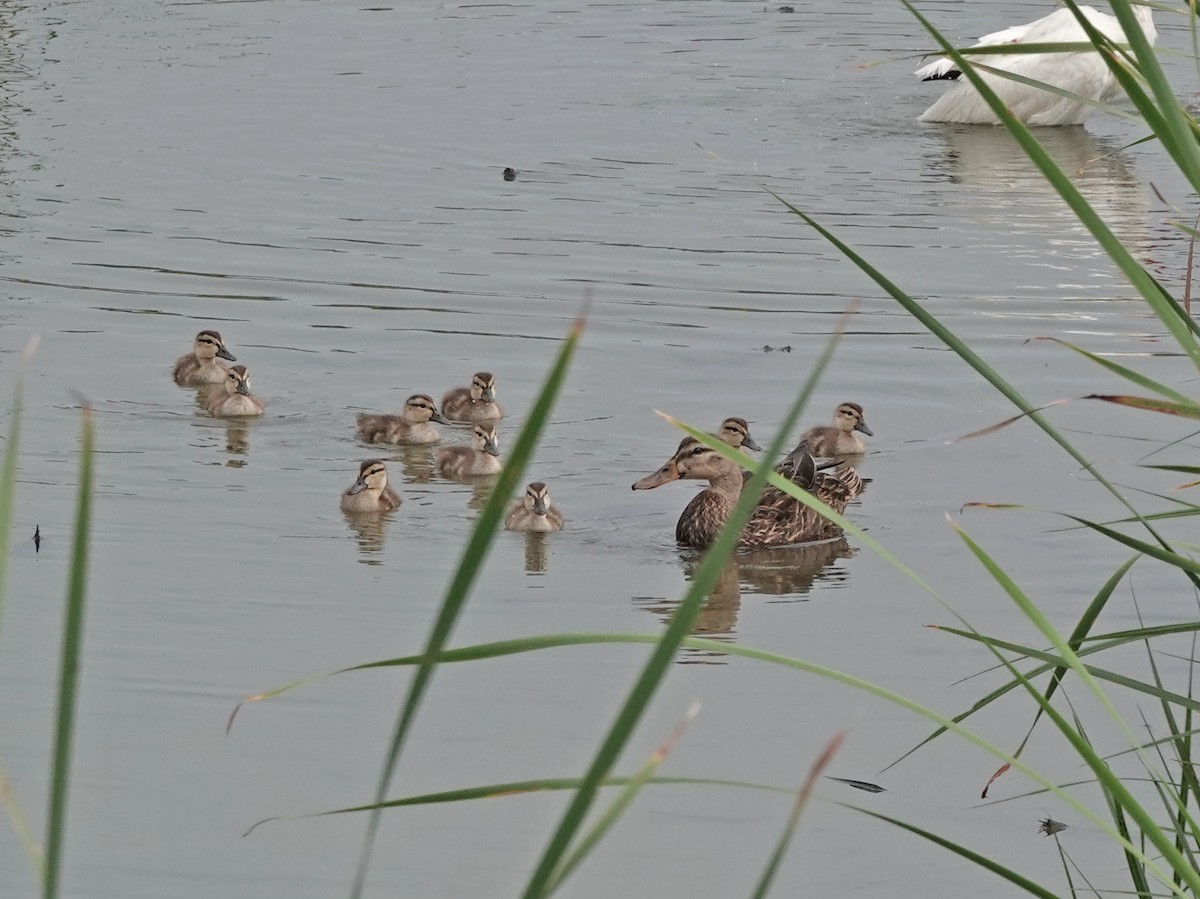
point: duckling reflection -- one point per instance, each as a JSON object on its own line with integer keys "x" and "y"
{"x": 416, "y": 463}
{"x": 237, "y": 442}
{"x": 368, "y": 529}
{"x": 537, "y": 552}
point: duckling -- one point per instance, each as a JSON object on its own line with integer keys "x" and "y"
{"x": 534, "y": 512}
{"x": 735, "y": 432}
{"x": 778, "y": 519}
{"x": 410, "y": 428}
{"x": 370, "y": 493}
{"x": 482, "y": 457}
{"x": 200, "y": 366}
{"x": 839, "y": 439}
{"x": 237, "y": 400}
{"x": 474, "y": 403}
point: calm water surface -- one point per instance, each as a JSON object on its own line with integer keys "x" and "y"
{"x": 322, "y": 182}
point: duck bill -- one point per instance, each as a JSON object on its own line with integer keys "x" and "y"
{"x": 223, "y": 353}
{"x": 439, "y": 418}
{"x": 540, "y": 506}
{"x": 491, "y": 447}
{"x": 862, "y": 426}
{"x": 664, "y": 475}
{"x": 357, "y": 487}
{"x": 488, "y": 396}
{"x": 748, "y": 443}
{"x": 243, "y": 389}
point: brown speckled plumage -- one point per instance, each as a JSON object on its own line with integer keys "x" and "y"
{"x": 410, "y": 428}
{"x": 474, "y": 403}
{"x": 777, "y": 519}
{"x": 200, "y": 366}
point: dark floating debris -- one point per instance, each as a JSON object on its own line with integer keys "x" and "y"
{"x": 1049, "y": 827}
{"x": 867, "y": 786}
{"x": 37, "y": 538}
{"x": 787, "y": 9}
{"x": 777, "y": 349}
{"x": 510, "y": 174}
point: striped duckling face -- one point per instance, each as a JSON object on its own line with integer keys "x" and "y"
{"x": 372, "y": 476}
{"x": 849, "y": 417}
{"x": 208, "y": 345}
{"x": 537, "y": 498}
{"x": 419, "y": 409}
{"x": 238, "y": 381}
{"x": 736, "y": 432}
{"x": 485, "y": 439}
{"x": 483, "y": 387}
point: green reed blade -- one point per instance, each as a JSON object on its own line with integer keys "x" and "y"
{"x": 1127, "y": 373}
{"x": 982, "y": 861}
{"x": 1165, "y": 307}
{"x": 960, "y": 348}
{"x": 1163, "y": 555}
{"x": 519, "y": 788}
{"x": 1108, "y": 781}
{"x": 789, "y": 830}
{"x": 69, "y": 658}
{"x": 617, "y": 807}
{"x": 680, "y": 624}
{"x": 8, "y": 467}
{"x": 465, "y": 576}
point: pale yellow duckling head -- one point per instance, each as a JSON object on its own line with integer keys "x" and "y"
{"x": 736, "y": 432}
{"x": 483, "y": 387}
{"x": 849, "y": 417}
{"x": 420, "y": 408}
{"x": 537, "y": 498}
{"x": 209, "y": 345}
{"x": 238, "y": 380}
{"x": 372, "y": 477}
{"x": 485, "y": 439}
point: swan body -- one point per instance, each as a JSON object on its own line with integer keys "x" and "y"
{"x": 1082, "y": 73}
{"x": 370, "y": 492}
{"x": 482, "y": 457}
{"x": 839, "y": 439}
{"x": 200, "y": 366}
{"x": 534, "y": 512}
{"x": 778, "y": 519}
{"x": 410, "y": 428}
{"x": 237, "y": 401}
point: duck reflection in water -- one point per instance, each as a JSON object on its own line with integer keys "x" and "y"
{"x": 237, "y": 442}
{"x": 368, "y": 529}
{"x": 776, "y": 571}
{"x": 537, "y": 552}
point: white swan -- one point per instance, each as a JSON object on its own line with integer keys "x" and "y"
{"x": 1085, "y": 73}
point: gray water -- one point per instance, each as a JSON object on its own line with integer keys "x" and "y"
{"x": 322, "y": 183}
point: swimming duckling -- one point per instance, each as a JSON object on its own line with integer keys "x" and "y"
{"x": 736, "y": 432}
{"x": 237, "y": 400}
{"x": 474, "y": 403}
{"x": 535, "y": 511}
{"x": 370, "y": 493}
{"x": 839, "y": 439}
{"x": 778, "y": 518}
{"x": 411, "y": 427}
{"x": 482, "y": 457}
{"x": 200, "y": 366}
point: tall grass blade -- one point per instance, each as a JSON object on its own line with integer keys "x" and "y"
{"x": 8, "y": 468}
{"x": 68, "y": 678}
{"x": 785, "y": 839}
{"x": 664, "y": 651}
{"x": 460, "y": 585}
{"x": 618, "y": 806}
{"x": 983, "y": 861}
